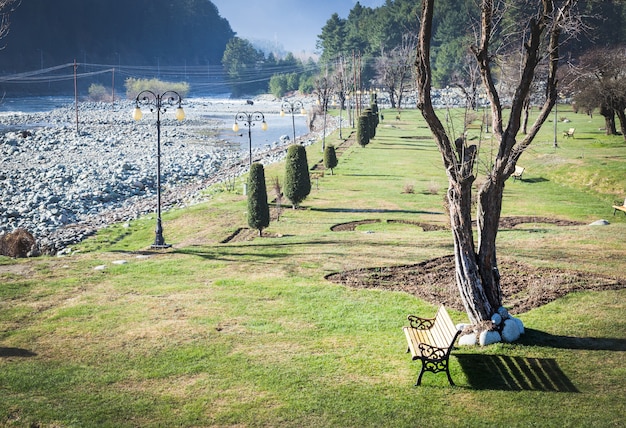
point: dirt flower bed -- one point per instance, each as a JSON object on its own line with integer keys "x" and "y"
{"x": 524, "y": 287}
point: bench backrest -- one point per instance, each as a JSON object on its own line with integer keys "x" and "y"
{"x": 443, "y": 330}
{"x": 518, "y": 170}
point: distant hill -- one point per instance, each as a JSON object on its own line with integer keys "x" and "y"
{"x": 150, "y": 33}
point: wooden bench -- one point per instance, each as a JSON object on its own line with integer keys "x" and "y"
{"x": 517, "y": 175}
{"x": 431, "y": 340}
{"x": 569, "y": 133}
{"x": 619, "y": 207}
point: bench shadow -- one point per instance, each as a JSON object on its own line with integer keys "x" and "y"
{"x": 16, "y": 352}
{"x": 505, "y": 373}
{"x": 534, "y": 180}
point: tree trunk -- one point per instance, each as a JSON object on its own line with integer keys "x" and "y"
{"x": 621, "y": 115}
{"x": 609, "y": 120}
{"x": 488, "y": 222}
{"x": 468, "y": 275}
{"x": 527, "y": 108}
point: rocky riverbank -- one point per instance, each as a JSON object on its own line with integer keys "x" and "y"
{"x": 62, "y": 181}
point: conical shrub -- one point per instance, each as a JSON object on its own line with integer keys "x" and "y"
{"x": 363, "y": 130}
{"x": 330, "y": 158}
{"x": 258, "y": 207}
{"x": 297, "y": 179}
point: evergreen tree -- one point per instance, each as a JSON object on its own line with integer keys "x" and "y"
{"x": 330, "y": 158}
{"x": 258, "y": 208}
{"x": 297, "y": 179}
{"x": 363, "y": 130}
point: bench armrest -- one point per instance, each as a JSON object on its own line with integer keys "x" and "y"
{"x": 430, "y": 352}
{"x": 421, "y": 323}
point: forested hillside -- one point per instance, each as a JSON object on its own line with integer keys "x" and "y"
{"x": 46, "y": 33}
{"x": 371, "y": 32}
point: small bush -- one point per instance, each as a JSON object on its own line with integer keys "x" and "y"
{"x": 99, "y": 93}
{"x": 278, "y": 191}
{"x": 408, "y": 188}
{"x": 330, "y": 158}
{"x": 19, "y": 243}
{"x": 433, "y": 188}
{"x": 135, "y": 86}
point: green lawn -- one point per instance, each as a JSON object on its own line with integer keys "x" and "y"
{"x": 249, "y": 333}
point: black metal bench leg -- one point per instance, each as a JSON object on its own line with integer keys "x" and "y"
{"x": 419, "y": 378}
{"x": 449, "y": 377}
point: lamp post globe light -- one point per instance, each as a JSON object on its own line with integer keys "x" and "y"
{"x": 290, "y": 107}
{"x": 159, "y": 103}
{"x": 248, "y": 120}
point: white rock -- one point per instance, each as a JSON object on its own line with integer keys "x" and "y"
{"x": 120, "y": 262}
{"x": 467, "y": 340}
{"x": 510, "y": 332}
{"x": 600, "y": 223}
{"x": 461, "y": 326}
{"x": 100, "y": 267}
{"x": 489, "y": 337}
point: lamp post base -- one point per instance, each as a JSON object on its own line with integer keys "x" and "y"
{"x": 159, "y": 241}
{"x": 160, "y": 246}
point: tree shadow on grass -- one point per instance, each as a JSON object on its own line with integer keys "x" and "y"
{"x": 533, "y": 337}
{"x": 15, "y": 352}
{"x": 505, "y": 373}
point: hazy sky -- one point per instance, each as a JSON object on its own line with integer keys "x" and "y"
{"x": 294, "y": 24}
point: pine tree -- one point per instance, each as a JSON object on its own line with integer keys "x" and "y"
{"x": 297, "y": 179}
{"x": 330, "y": 158}
{"x": 258, "y": 208}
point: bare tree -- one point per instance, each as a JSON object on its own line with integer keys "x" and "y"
{"x": 477, "y": 273}
{"x": 6, "y": 8}
{"x": 598, "y": 80}
{"x": 394, "y": 69}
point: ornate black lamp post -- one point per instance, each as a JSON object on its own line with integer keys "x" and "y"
{"x": 159, "y": 102}
{"x": 290, "y": 107}
{"x": 248, "y": 120}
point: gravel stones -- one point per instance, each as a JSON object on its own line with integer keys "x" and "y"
{"x": 62, "y": 184}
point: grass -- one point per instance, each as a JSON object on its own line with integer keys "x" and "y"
{"x": 250, "y": 333}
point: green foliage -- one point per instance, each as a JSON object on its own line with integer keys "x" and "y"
{"x": 280, "y": 84}
{"x": 297, "y": 179}
{"x": 330, "y": 158}
{"x": 115, "y": 31}
{"x": 258, "y": 208}
{"x": 135, "y": 86}
{"x": 240, "y": 62}
{"x": 363, "y": 130}
{"x": 99, "y": 93}
{"x": 371, "y": 31}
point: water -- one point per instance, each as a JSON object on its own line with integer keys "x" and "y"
{"x": 277, "y": 126}
{"x": 33, "y": 104}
